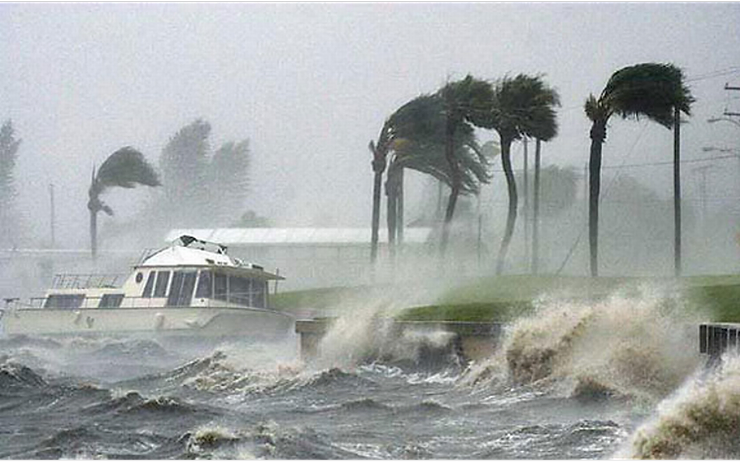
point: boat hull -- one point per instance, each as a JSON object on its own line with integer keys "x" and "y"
{"x": 249, "y": 323}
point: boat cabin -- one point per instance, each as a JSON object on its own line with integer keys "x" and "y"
{"x": 189, "y": 273}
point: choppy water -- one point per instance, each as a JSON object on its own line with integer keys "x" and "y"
{"x": 570, "y": 382}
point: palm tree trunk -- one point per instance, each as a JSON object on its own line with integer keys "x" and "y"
{"x": 454, "y": 187}
{"x": 598, "y": 134}
{"x": 399, "y": 217}
{"x": 378, "y": 164}
{"x": 677, "y": 191}
{"x": 391, "y": 212}
{"x": 376, "y": 216}
{"x": 513, "y": 202}
{"x": 536, "y": 211}
{"x": 94, "y": 233}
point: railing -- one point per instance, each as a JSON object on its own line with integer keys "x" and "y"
{"x": 127, "y": 303}
{"x": 86, "y": 281}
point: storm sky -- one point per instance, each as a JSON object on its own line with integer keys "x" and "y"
{"x": 310, "y": 85}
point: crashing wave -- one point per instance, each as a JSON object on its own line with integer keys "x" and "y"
{"x": 622, "y": 346}
{"x": 14, "y": 376}
{"x": 701, "y": 420}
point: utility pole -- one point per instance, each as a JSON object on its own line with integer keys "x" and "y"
{"x": 526, "y": 200}
{"x": 677, "y": 190}
{"x": 51, "y": 221}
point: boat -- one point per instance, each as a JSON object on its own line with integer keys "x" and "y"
{"x": 189, "y": 288}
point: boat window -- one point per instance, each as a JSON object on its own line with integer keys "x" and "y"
{"x": 181, "y": 289}
{"x": 64, "y": 301}
{"x": 220, "y": 286}
{"x": 111, "y": 301}
{"x": 205, "y": 285}
{"x": 259, "y": 288}
{"x": 239, "y": 290}
{"x": 160, "y": 290}
{"x": 149, "y": 285}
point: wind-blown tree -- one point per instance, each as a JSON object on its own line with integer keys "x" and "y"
{"x": 430, "y": 158}
{"x": 420, "y": 143}
{"x": 227, "y": 176}
{"x": 652, "y": 90}
{"x": 467, "y": 104}
{"x": 9, "y": 146}
{"x": 184, "y": 164}
{"x": 522, "y": 106}
{"x": 125, "y": 168}
{"x": 414, "y": 137}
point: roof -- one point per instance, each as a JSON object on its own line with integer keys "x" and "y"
{"x": 176, "y": 255}
{"x": 297, "y": 236}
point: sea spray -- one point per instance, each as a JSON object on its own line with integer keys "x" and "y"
{"x": 366, "y": 332}
{"x": 627, "y": 344}
{"x": 700, "y": 420}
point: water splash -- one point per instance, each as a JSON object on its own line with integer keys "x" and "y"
{"x": 701, "y": 420}
{"x": 626, "y": 345}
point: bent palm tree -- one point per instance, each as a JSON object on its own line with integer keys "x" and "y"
{"x": 467, "y": 104}
{"x": 416, "y": 141}
{"x": 655, "y": 91}
{"x": 124, "y": 168}
{"x": 522, "y": 106}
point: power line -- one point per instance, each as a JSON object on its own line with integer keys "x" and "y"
{"x": 670, "y": 162}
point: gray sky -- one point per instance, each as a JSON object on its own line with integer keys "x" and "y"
{"x": 310, "y": 85}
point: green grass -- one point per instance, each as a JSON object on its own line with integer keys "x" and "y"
{"x": 505, "y": 298}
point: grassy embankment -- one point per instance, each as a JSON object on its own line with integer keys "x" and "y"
{"x": 504, "y": 298}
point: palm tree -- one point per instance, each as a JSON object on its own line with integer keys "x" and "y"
{"x": 652, "y": 90}
{"x": 418, "y": 143}
{"x": 125, "y": 168}
{"x": 467, "y": 104}
{"x": 522, "y": 106}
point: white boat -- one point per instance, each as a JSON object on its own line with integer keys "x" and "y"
{"x": 190, "y": 288}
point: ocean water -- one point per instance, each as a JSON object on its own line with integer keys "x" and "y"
{"x": 621, "y": 378}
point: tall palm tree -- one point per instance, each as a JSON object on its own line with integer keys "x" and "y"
{"x": 522, "y": 106}
{"x": 652, "y": 90}
{"x": 125, "y": 168}
{"x": 467, "y": 104}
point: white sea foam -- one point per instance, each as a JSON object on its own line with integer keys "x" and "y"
{"x": 627, "y": 344}
{"x": 701, "y": 420}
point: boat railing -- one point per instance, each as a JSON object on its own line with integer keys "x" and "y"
{"x": 109, "y": 302}
{"x": 146, "y": 253}
{"x": 86, "y": 281}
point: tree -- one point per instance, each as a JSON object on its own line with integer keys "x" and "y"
{"x": 522, "y": 106}
{"x": 655, "y": 91}
{"x": 419, "y": 143}
{"x": 183, "y": 163}
{"x": 467, "y": 104}
{"x": 9, "y": 146}
{"x": 228, "y": 181}
{"x": 125, "y": 168}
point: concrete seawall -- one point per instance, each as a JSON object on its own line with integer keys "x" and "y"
{"x": 471, "y": 340}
